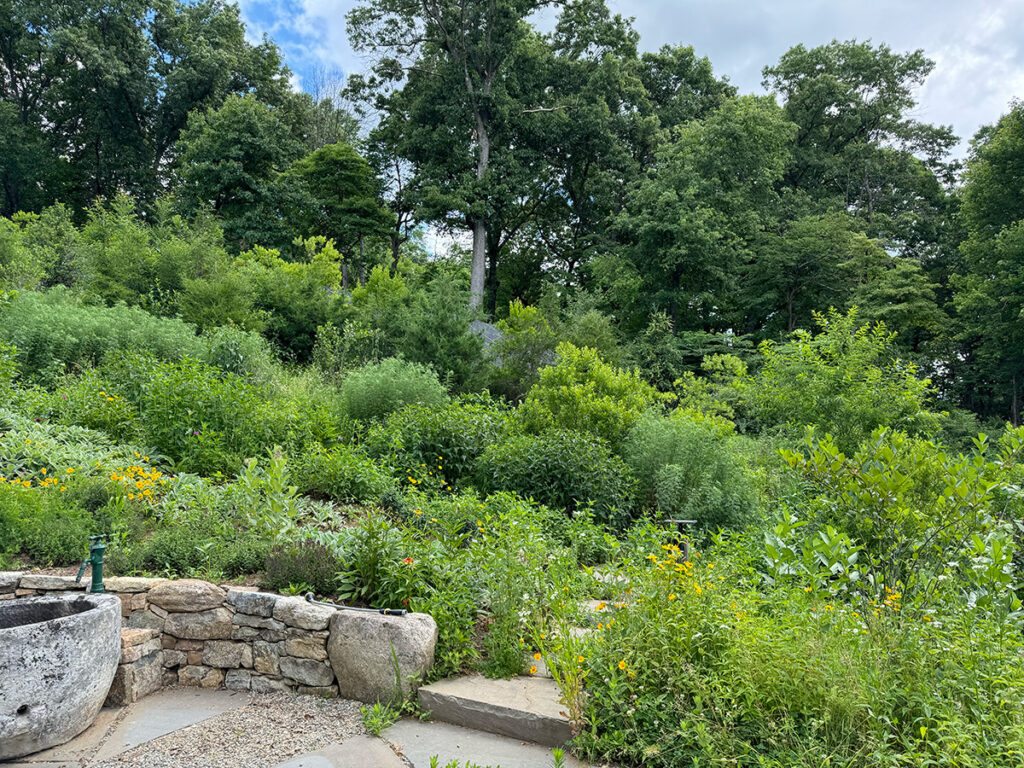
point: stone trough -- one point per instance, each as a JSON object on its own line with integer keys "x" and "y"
{"x": 58, "y": 656}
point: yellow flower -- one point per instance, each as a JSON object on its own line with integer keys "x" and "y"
{"x": 536, "y": 657}
{"x": 579, "y": 660}
{"x": 533, "y": 670}
{"x": 417, "y": 511}
{"x": 697, "y": 589}
{"x": 63, "y": 488}
{"x": 622, "y": 664}
{"x": 602, "y": 606}
{"x": 69, "y": 470}
{"x": 672, "y": 596}
{"x": 43, "y": 470}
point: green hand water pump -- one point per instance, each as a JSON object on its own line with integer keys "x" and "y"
{"x": 97, "y": 546}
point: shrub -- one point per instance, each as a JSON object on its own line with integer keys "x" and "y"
{"x": 377, "y": 389}
{"x": 452, "y": 436}
{"x": 302, "y": 563}
{"x": 45, "y": 525}
{"x": 245, "y": 555}
{"x": 686, "y": 468}
{"x": 582, "y": 392}
{"x": 845, "y": 379}
{"x": 55, "y": 333}
{"x": 526, "y": 344}
{"x": 562, "y": 469}
{"x": 88, "y": 401}
{"x": 178, "y": 550}
{"x": 341, "y": 473}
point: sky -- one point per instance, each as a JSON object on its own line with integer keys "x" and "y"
{"x": 977, "y": 46}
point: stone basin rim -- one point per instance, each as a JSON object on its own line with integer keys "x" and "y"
{"x": 63, "y": 609}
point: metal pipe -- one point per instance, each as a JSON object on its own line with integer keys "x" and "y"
{"x": 381, "y": 611}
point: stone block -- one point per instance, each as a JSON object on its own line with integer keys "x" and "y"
{"x": 168, "y": 641}
{"x": 273, "y": 635}
{"x": 213, "y": 624}
{"x": 200, "y": 677}
{"x": 24, "y": 592}
{"x": 254, "y": 603}
{"x": 237, "y": 679}
{"x": 138, "y": 600}
{"x": 259, "y": 622}
{"x": 195, "y": 658}
{"x": 145, "y": 620}
{"x": 297, "y": 612}
{"x": 126, "y": 604}
{"x": 187, "y": 596}
{"x": 364, "y": 646}
{"x": 130, "y": 583}
{"x": 158, "y": 611}
{"x": 306, "y": 671}
{"x": 265, "y": 684}
{"x": 7, "y": 596}
{"x": 9, "y": 580}
{"x": 45, "y": 582}
{"x": 130, "y": 637}
{"x": 265, "y": 658}
{"x": 306, "y": 645}
{"x": 247, "y": 634}
{"x": 135, "y": 680}
{"x": 189, "y": 645}
{"x": 174, "y": 658}
{"x": 226, "y": 654}
{"x": 320, "y": 691}
{"x": 135, "y": 652}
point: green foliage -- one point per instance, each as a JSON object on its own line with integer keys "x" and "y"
{"x": 450, "y": 437}
{"x": 687, "y": 469}
{"x": 229, "y": 160}
{"x": 582, "y": 392}
{"x": 910, "y": 504}
{"x": 844, "y": 379}
{"x": 526, "y": 345}
{"x": 377, "y": 389}
{"x": 562, "y": 469}
{"x": 302, "y": 562}
{"x": 342, "y": 474}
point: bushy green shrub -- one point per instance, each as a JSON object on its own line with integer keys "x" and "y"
{"x": 686, "y": 469}
{"x": 562, "y": 469}
{"x": 451, "y": 436}
{"x": 86, "y": 402}
{"x": 582, "y": 392}
{"x": 179, "y": 550}
{"x": 377, "y": 389}
{"x": 56, "y": 333}
{"x": 845, "y": 379}
{"x": 243, "y": 556}
{"x": 341, "y": 473}
{"x": 47, "y": 524}
{"x": 304, "y": 563}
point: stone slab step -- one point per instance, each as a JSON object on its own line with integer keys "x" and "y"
{"x": 524, "y": 708}
{"x": 357, "y": 752}
{"x": 418, "y": 742}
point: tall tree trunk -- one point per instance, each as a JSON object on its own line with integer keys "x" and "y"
{"x": 479, "y": 266}
{"x": 396, "y": 245}
{"x": 491, "y": 307}
{"x": 362, "y": 262}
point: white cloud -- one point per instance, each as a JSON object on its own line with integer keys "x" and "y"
{"x": 977, "y": 46}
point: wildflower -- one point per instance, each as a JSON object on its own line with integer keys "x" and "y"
{"x": 536, "y": 657}
{"x": 533, "y": 670}
{"x": 43, "y": 470}
{"x": 602, "y": 606}
{"x": 672, "y": 596}
{"x": 697, "y": 589}
{"x": 408, "y": 561}
{"x": 579, "y": 660}
{"x": 417, "y": 511}
{"x": 622, "y": 664}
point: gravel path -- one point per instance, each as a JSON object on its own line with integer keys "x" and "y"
{"x": 268, "y": 730}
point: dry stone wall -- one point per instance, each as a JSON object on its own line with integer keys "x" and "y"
{"x": 193, "y": 633}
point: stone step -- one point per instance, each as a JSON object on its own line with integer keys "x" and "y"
{"x": 420, "y": 742}
{"x": 524, "y": 708}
